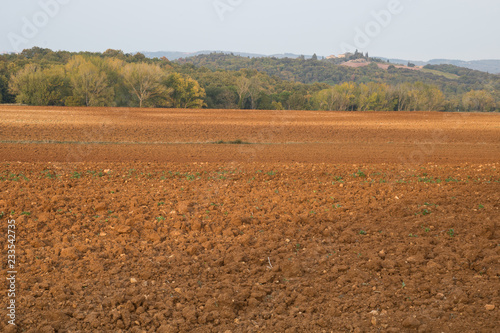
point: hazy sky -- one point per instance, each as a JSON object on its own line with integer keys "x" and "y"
{"x": 409, "y": 29}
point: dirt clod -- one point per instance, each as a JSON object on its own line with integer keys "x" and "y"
{"x": 489, "y": 307}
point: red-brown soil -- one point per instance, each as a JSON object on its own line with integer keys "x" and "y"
{"x": 152, "y": 135}
{"x": 335, "y": 222}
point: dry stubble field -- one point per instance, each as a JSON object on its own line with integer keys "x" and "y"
{"x": 136, "y": 220}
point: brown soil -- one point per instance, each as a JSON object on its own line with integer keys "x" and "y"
{"x": 368, "y": 222}
{"x": 120, "y": 134}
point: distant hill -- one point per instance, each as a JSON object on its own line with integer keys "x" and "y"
{"x": 490, "y": 66}
{"x": 177, "y": 55}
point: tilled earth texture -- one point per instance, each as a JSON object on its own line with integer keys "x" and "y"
{"x": 143, "y": 220}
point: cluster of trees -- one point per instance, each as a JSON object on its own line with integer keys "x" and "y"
{"x": 479, "y": 100}
{"x": 88, "y": 80}
{"x": 455, "y": 82}
{"x": 43, "y": 77}
{"x": 380, "y": 96}
{"x": 252, "y": 89}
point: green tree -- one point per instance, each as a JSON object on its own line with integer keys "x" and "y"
{"x": 299, "y": 100}
{"x": 402, "y": 96}
{"x": 345, "y": 96}
{"x": 325, "y": 99}
{"x": 276, "y": 106}
{"x": 221, "y": 98}
{"x": 113, "y": 69}
{"x": 478, "y": 100}
{"x": 145, "y": 83}
{"x": 374, "y": 97}
{"x": 35, "y": 86}
{"x": 186, "y": 92}
{"x": 90, "y": 83}
{"x": 118, "y": 54}
{"x": 256, "y": 88}
{"x": 242, "y": 89}
{"x": 434, "y": 98}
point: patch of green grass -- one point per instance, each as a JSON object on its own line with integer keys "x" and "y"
{"x": 50, "y": 175}
{"x": 426, "y": 229}
{"x": 160, "y": 218}
{"x": 425, "y": 212}
{"x": 16, "y": 177}
{"x": 450, "y": 76}
{"x": 76, "y": 175}
{"x": 234, "y": 142}
{"x": 431, "y": 180}
{"x": 360, "y": 174}
{"x": 26, "y": 213}
{"x": 337, "y": 179}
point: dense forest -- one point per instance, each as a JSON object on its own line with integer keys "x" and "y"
{"x": 43, "y": 77}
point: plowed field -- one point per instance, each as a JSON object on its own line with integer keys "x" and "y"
{"x": 140, "y": 220}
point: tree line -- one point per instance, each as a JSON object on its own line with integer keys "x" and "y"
{"x": 42, "y": 77}
{"x": 97, "y": 81}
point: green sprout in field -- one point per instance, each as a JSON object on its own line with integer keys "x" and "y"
{"x": 76, "y": 175}
{"x": 360, "y": 174}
